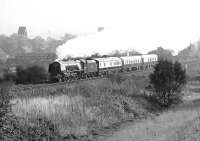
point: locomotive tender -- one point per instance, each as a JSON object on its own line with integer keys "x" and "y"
{"x": 93, "y": 67}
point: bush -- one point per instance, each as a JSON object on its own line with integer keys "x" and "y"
{"x": 9, "y": 76}
{"x": 167, "y": 81}
{"x": 116, "y": 78}
{"x": 7, "y": 131}
{"x": 33, "y": 74}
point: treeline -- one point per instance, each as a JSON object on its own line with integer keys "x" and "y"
{"x": 14, "y": 44}
{"x": 163, "y": 54}
{"x": 30, "y": 75}
{"x": 115, "y": 53}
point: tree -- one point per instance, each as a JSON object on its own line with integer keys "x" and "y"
{"x": 166, "y": 82}
{"x": 67, "y": 37}
{"x": 162, "y": 53}
{"x": 33, "y": 74}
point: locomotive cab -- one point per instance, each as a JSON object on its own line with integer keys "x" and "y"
{"x": 90, "y": 67}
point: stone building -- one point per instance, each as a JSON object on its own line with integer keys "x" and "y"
{"x": 22, "y": 31}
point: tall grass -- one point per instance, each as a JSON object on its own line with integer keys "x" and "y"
{"x": 183, "y": 125}
{"x": 74, "y": 111}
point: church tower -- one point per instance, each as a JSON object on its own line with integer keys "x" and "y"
{"x": 22, "y": 31}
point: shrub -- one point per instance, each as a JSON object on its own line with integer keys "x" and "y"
{"x": 8, "y": 130}
{"x": 9, "y": 76}
{"x": 33, "y": 74}
{"x": 116, "y": 78}
{"x": 167, "y": 81}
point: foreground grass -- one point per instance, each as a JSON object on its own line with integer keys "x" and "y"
{"x": 76, "y": 111}
{"x": 180, "y": 124}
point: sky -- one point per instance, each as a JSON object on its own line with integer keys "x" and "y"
{"x": 144, "y": 24}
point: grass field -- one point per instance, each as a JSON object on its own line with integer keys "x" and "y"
{"x": 179, "y": 123}
{"x": 97, "y": 109}
{"x": 76, "y": 111}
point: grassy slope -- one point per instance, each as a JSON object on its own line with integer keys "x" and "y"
{"x": 98, "y": 108}
{"x": 178, "y": 124}
{"x": 79, "y": 110}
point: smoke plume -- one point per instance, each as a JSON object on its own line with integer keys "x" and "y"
{"x": 103, "y": 43}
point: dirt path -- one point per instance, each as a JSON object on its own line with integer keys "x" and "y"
{"x": 162, "y": 128}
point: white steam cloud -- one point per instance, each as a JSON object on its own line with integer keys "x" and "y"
{"x": 104, "y": 43}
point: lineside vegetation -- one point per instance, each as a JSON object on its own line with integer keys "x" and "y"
{"x": 167, "y": 81}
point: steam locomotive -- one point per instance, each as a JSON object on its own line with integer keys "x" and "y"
{"x": 94, "y": 67}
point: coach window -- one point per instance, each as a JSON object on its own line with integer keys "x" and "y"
{"x": 104, "y": 64}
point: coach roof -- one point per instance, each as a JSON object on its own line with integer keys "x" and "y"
{"x": 108, "y": 59}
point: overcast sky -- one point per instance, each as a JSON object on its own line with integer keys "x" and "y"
{"x": 147, "y": 24}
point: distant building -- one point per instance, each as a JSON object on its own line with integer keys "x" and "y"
{"x": 22, "y": 31}
{"x": 36, "y": 56}
{"x": 99, "y": 29}
{"x": 30, "y": 59}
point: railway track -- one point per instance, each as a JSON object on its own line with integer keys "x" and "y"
{"x": 138, "y": 73}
